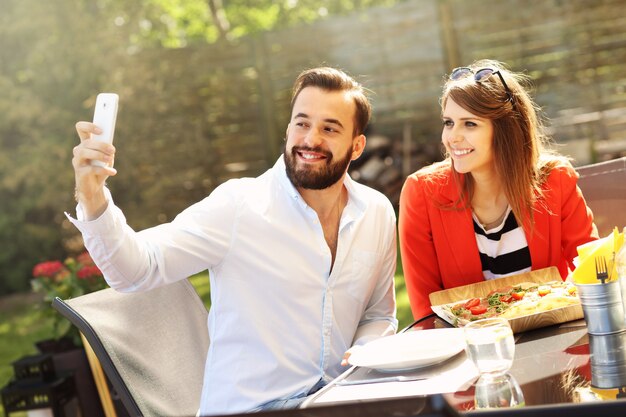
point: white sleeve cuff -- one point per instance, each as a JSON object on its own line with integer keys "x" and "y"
{"x": 99, "y": 225}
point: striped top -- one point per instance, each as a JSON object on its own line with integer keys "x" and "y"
{"x": 503, "y": 249}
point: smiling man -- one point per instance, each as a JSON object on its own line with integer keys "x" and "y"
{"x": 301, "y": 258}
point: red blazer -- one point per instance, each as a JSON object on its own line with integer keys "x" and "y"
{"x": 438, "y": 246}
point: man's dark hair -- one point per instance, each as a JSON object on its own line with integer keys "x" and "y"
{"x": 331, "y": 79}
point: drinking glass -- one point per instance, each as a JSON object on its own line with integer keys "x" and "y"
{"x": 490, "y": 345}
{"x": 498, "y": 391}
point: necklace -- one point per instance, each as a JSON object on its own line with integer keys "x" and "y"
{"x": 493, "y": 223}
{"x": 338, "y": 210}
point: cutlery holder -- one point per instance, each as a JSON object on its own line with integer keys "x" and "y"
{"x": 602, "y": 307}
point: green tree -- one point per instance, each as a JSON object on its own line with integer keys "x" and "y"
{"x": 51, "y": 63}
{"x": 179, "y": 23}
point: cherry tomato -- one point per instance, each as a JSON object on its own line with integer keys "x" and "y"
{"x": 478, "y": 310}
{"x": 543, "y": 290}
{"x": 518, "y": 295}
{"x": 472, "y": 303}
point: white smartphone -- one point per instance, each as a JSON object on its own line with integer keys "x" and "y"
{"x": 104, "y": 117}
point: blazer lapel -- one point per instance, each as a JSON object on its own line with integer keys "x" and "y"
{"x": 463, "y": 260}
{"x": 538, "y": 240}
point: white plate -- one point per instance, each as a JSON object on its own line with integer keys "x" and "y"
{"x": 409, "y": 350}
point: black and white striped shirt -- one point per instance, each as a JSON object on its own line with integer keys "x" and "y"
{"x": 503, "y": 249}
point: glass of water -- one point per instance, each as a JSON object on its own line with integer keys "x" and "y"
{"x": 490, "y": 345}
{"x": 498, "y": 392}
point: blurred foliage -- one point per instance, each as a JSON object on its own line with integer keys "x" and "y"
{"x": 21, "y": 326}
{"x": 54, "y": 59}
{"x": 42, "y": 95}
{"x": 180, "y": 23}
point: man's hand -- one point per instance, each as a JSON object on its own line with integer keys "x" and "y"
{"x": 346, "y": 356}
{"x": 90, "y": 179}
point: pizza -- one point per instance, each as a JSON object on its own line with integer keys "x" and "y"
{"x": 514, "y": 301}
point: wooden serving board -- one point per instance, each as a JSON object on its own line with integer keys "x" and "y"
{"x": 546, "y": 318}
{"x": 480, "y": 289}
{"x": 520, "y": 324}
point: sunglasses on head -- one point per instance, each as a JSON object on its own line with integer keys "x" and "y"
{"x": 481, "y": 75}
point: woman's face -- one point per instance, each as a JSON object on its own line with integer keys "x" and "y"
{"x": 468, "y": 139}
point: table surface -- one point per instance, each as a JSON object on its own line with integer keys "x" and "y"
{"x": 557, "y": 366}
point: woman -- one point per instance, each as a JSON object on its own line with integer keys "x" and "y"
{"x": 500, "y": 203}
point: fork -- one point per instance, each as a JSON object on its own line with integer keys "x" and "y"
{"x": 398, "y": 378}
{"x": 602, "y": 271}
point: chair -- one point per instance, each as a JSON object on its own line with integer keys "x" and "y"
{"x": 604, "y": 187}
{"x": 152, "y": 345}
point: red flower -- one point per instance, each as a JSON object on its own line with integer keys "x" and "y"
{"x": 48, "y": 269}
{"x": 88, "y": 271}
{"x": 84, "y": 259}
{"x": 69, "y": 279}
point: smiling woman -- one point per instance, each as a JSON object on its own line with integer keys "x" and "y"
{"x": 501, "y": 203}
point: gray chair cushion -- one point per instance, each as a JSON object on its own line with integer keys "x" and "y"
{"x": 152, "y": 345}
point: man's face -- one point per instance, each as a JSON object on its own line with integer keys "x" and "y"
{"x": 320, "y": 142}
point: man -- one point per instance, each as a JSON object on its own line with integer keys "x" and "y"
{"x": 301, "y": 258}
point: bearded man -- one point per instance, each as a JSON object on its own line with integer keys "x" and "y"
{"x": 301, "y": 259}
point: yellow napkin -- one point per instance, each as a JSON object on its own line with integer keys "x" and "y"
{"x": 585, "y": 272}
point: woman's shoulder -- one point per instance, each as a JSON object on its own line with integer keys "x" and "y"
{"x": 556, "y": 168}
{"x": 436, "y": 173}
{"x": 433, "y": 182}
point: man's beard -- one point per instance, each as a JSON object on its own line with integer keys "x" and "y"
{"x": 313, "y": 178}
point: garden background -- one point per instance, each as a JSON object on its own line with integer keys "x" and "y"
{"x": 204, "y": 91}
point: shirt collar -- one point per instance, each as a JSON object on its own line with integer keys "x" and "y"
{"x": 280, "y": 172}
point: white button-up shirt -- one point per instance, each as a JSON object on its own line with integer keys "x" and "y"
{"x": 280, "y": 318}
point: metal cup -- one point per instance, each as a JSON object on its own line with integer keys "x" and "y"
{"x": 608, "y": 360}
{"x": 602, "y": 307}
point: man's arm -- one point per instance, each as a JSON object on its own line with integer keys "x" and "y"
{"x": 132, "y": 261}
{"x": 379, "y": 318}
{"x": 195, "y": 240}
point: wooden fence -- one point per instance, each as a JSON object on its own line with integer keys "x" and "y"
{"x": 229, "y": 103}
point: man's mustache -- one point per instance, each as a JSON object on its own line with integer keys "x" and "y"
{"x": 316, "y": 149}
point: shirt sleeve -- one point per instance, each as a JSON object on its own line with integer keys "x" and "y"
{"x": 197, "y": 239}
{"x": 419, "y": 257}
{"x": 379, "y": 318}
{"x": 577, "y": 225}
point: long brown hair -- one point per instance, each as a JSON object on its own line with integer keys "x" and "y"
{"x": 522, "y": 159}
